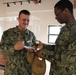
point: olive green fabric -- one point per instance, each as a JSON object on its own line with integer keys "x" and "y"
{"x": 17, "y": 63}
{"x": 63, "y": 55}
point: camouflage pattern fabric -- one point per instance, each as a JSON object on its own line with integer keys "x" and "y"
{"x": 63, "y": 55}
{"x": 17, "y": 63}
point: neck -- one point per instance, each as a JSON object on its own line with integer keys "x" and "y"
{"x": 70, "y": 20}
{"x": 21, "y": 29}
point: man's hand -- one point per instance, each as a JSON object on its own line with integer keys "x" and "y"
{"x": 19, "y": 45}
{"x": 39, "y": 53}
{"x": 39, "y": 49}
{"x": 40, "y": 45}
{"x": 31, "y": 49}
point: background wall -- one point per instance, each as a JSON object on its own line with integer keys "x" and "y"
{"x": 41, "y": 16}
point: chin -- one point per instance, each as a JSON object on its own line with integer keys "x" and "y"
{"x": 60, "y": 22}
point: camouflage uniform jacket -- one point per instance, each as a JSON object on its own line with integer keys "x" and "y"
{"x": 63, "y": 55}
{"x": 17, "y": 63}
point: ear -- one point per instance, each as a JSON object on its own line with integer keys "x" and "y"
{"x": 66, "y": 10}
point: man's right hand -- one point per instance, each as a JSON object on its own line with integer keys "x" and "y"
{"x": 19, "y": 45}
{"x": 39, "y": 52}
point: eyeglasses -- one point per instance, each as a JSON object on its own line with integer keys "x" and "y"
{"x": 59, "y": 13}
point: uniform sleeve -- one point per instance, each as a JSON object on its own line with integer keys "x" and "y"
{"x": 6, "y": 46}
{"x": 48, "y": 52}
{"x": 67, "y": 63}
{"x": 34, "y": 37}
{"x": 69, "y": 58}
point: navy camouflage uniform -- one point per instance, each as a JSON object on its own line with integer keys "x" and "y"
{"x": 62, "y": 55}
{"x": 16, "y": 63}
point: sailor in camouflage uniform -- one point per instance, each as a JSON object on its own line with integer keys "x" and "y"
{"x": 62, "y": 55}
{"x": 12, "y": 45}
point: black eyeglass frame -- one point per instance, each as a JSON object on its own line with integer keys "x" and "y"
{"x": 59, "y": 13}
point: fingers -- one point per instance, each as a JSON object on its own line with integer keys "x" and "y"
{"x": 39, "y": 53}
{"x": 31, "y": 49}
{"x": 40, "y": 45}
{"x": 19, "y": 45}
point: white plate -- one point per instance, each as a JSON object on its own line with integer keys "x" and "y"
{"x": 28, "y": 47}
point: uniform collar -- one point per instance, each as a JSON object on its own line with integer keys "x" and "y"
{"x": 18, "y": 31}
{"x": 70, "y": 25}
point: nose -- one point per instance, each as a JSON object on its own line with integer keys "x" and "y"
{"x": 26, "y": 22}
